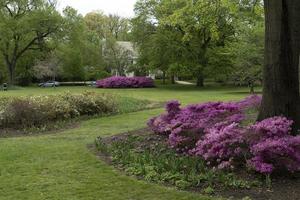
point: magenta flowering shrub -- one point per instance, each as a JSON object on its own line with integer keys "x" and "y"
{"x": 187, "y": 125}
{"x": 222, "y": 146}
{"x": 215, "y": 132}
{"x": 273, "y": 147}
{"x": 252, "y": 102}
{"x": 125, "y": 82}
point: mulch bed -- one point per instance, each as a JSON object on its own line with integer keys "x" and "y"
{"x": 283, "y": 188}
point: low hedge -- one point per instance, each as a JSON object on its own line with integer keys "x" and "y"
{"x": 37, "y": 111}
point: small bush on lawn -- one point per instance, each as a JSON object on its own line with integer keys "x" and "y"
{"x": 37, "y": 111}
{"x": 125, "y": 82}
{"x": 217, "y": 133}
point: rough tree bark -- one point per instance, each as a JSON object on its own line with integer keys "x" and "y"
{"x": 281, "y": 70}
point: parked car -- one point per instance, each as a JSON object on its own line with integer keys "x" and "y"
{"x": 92, "y": 83}
{"x": 49, "y": 84}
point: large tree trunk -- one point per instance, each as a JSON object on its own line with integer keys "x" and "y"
{"x": 200, "y": 79}
{"x": 164, "y": 77}
{"x": 173, "y": 79}
{"x": 281, "y": 70}
{"x": 11, "y": 66}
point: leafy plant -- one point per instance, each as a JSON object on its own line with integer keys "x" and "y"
{"x": 155, "y": 162}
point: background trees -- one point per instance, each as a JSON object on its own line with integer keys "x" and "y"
{"x": 220, "y": 40}
{"x": 201, "y": 36}
{"x": 24, "y": 26}
{"x": 30, "y": 31}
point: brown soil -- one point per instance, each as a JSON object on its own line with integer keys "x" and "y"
{"x": 12, "y": 133}
{"x": 283, "y": 187}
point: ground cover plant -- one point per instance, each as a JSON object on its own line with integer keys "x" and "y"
{"x": 143, "y": 154}
{"x": 125, "y": 82}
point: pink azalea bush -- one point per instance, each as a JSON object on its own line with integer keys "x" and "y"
{"x": 217, "y": 133}
{"x": 273, "y": 147}
{"x": 125, "y": 82}
{"x": 222, "y": 146}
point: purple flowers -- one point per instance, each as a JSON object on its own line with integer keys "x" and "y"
{"x": 187, "y": 125}
{"x": 216, "y": 132}
{"x": 273, "y": 147}
{"x": 222, "y": 146}
{"x": 125, "y": 82}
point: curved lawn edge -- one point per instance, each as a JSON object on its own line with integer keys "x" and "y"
{"x": 126, "y": 105}
{"x": 61, "y": 167}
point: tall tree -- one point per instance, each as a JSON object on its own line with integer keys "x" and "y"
{"x": 281, "y": 70}
{"x": 108, "y": 26}
{"x": 118, "y": 56}
{"x": 79, "y": 50}
{"x": 24, "y": 26}
{"x": 185, "y": 29}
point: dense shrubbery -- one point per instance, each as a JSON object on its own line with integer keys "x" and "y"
{"x": 125, "y": 82}
{"x": 217, "y": 133}
{"x": 37, "y": 111}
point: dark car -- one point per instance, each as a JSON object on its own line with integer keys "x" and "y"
{"x": 49, "y": 84}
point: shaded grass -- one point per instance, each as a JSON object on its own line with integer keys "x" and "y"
{"x": 60, "y": 167}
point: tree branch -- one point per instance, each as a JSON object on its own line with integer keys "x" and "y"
{"x": 9, "y": 10}
{"x": 32, "y": 42}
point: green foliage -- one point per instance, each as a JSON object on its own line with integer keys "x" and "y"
{"x": 118, "y": 58}
{"x": 150, "y": 158}
{"x": 248, "y": 54}
{"x": 180, "y": 33}
{"x": 207, "y": 39}
{"x": 27, "y": 112}
{"x": 108, "y": 26}
{"x": 25, "y": 26}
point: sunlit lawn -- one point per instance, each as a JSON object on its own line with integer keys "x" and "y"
{"x": 60, "y": 167}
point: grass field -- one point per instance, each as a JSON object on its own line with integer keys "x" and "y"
{"x": 60, "y": 167}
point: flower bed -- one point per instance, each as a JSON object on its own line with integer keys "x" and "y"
{"x": 125, "y": 82}
{"x": 218, "y": 133}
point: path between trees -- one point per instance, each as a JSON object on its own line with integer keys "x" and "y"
{"x": 184, "y": 83}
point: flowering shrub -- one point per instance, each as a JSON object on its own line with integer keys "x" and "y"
{"x": 216, "y": 132}
{"x": 125, "y": 82}
{"x": 39, "y": 110}
{"x": 185, "y": 126}
{"x": 222, "y": 146}
{"x": 273, "y": 147}
{"x": 252, "y": 102}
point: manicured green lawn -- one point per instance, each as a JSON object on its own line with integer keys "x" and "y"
{"x": 186, "y": 94}
{"x": 60, "y": 167}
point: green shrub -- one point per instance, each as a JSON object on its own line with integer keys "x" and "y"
{"x": 37, "y": 111}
